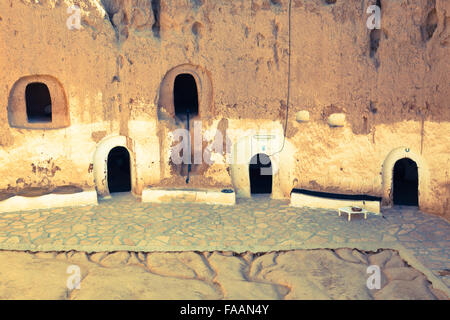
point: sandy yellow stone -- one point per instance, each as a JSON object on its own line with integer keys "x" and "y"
{"x": 163, "y": 238}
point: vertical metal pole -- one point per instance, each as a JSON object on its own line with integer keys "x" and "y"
{"x": 189, "y": 147}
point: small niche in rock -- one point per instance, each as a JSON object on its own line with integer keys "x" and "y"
{"x": 372, "y": 107}
{"x": 197, "y": 3}
{"x": 156, "y": 8}
{"x": 375, "y": 36}
{"x": 197, "y": 28}
{"x": 330, "y": 1}
{"x": 430, "y": 25}
{"x": 275, "y": 2}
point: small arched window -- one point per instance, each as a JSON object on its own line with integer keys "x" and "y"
{"x": 38, "y": 102}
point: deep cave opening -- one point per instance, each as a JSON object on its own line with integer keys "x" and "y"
{"x": 119, "y": 170}
{"x": 406, "y": 183}
{"x": 260, "y": 172}
{"x": 38, "y": 102}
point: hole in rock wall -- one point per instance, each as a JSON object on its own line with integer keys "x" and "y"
{"x": 375, "y": 36}
{"x": 260, "y": 173}
{"x": 430, "y": 26}
{"x": 119, "y": 170}
{"x": 275, "y": 2}
{"x": 405, "y": 183}
{"x": 330, "y": 1}
{"x": 38, "y": 102}
{"x": 197, "y": 3}
{"x": 156, "y": 8}
{"x": 185, "y": 96}
{"x": 197, "y": 28}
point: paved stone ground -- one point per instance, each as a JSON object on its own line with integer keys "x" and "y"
{"x": 255, "y": 225}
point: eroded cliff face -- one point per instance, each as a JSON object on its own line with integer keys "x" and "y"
{"x": 392, "y": 84}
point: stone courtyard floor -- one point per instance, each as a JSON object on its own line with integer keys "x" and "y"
{"x": 252, "y": 225}
{"x": 323, "y": 274}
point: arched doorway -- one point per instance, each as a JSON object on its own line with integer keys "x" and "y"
{"x": 185, "y": 95}
{"x": 118, "y": 170}
{"x": 260, "y": 173}
{"x": 405, "y": 183}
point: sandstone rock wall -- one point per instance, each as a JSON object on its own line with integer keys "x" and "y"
{"x": 392, "y": 85}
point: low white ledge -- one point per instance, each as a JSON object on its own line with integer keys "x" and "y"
{"x": 303, "y": 200}
{"x": 207, "y": 196}
{"x": 52, "y": 200}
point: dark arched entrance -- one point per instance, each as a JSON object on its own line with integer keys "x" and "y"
{"x": 406, "y": 183}
{"x": 185, "y": 95}
{"x": 119, "y": 175}
{"x": 260, "y": 171}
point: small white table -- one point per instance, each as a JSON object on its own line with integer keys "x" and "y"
{"x": 349, "y": 212}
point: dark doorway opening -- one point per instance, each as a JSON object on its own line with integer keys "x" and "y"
{"x": 185, "y": 95}
{"x": 260, "y": 170}
{"x": 406, "y": 183}
{"x": 119, "y": 175}
{"x": 39, "y": 102}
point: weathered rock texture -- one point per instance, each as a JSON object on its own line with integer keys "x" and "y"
{"x": 300, "y": 274}
{"x": 392, "y": 85}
